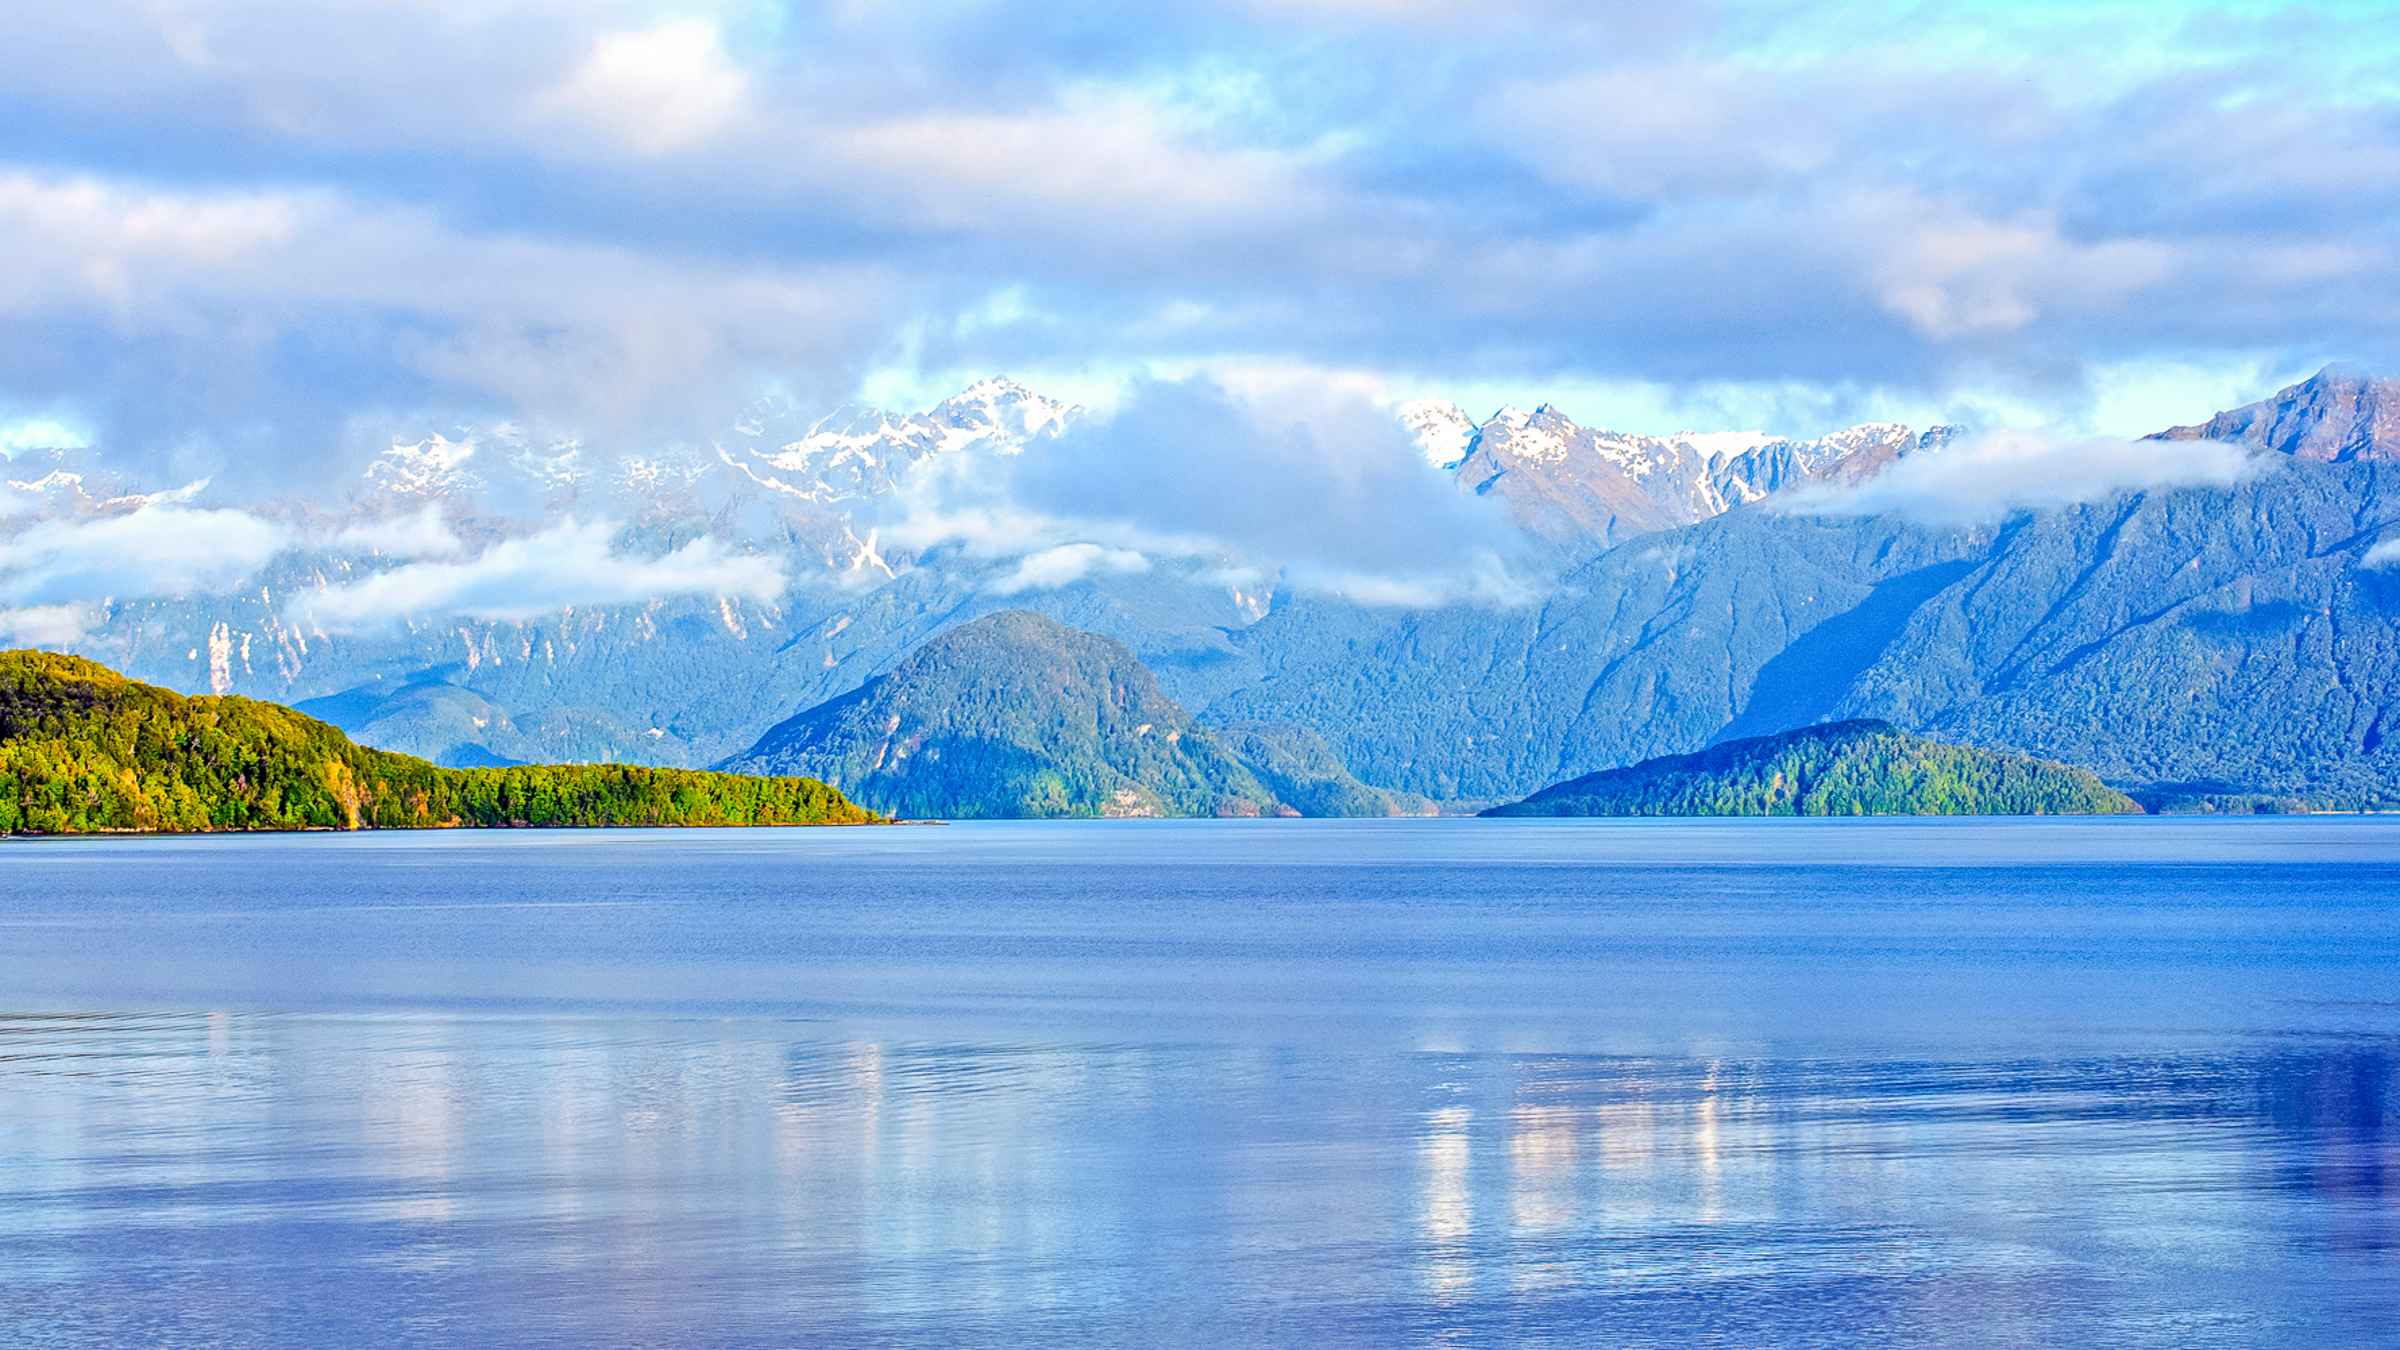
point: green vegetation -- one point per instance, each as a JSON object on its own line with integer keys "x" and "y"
{"x": 1016, "y": 715}
{"x": 84, "y": 749}
{"x": 1302, "y": 771}
{"x": 1837, "y": 769}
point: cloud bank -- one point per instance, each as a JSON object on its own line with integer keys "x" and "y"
{"x": 240, "y": 229}
{"x": 569, "y": 565}
{"x": 422, "y": 533}
{"x": 1986, "y": 478}
{"x": 56, "y": 574}
{"x": 158, "y": 550}
{"x": 1063, "y": 565}
{"x": 1326, "y": 493}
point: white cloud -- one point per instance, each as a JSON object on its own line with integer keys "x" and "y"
{"x": 419, "y": 534}
{"x": 1323, "y": 489}
{"x": 569, "y": 564}
{"x": 48, "y": 625}
{"x": 1096, "y": 154}
{"x": 2385, "y": 554}
{"x": 1950, "y": 273}
{"x": 656, "y": 90}
{"x": 1064, "y": 565}
{"x": 1481, "y": 578}
{"x": 551, "y": 328}
{"x": 1989, "y": 477}
{"x": 157, "y": 550}
{"x": 40, "y": 433}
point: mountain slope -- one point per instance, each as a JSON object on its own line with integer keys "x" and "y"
{"x": 84, "y": 749}
{"x": 2226, "y": 640}
{"x": 2234, "y": 636}
{"x": 1860, "y": 768}
{"x": 1578, "y": 486}
{"x": 1301, "y": 769}
{"x": 1015, "y": 714}
{"x": 2337, "y": 414}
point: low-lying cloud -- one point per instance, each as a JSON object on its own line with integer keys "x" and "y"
{"x": 1327, "y": 492}
{"x": 1987, "y": 478}
{"x": 2385, "y": 554}
{"x": 1064, "y": 565}
{"x": 155, "y": 550}
{"x": 47, "y": 625}
{"x": 422, "y": 533}
{"x": 571, "y": 564}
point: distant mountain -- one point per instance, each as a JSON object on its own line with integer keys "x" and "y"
{"x": 1575, "y": 485}
{"x": 1859, "y": 768}
{"x": 851, "y": 453}
{"x": 1301, "y": 769}
{"x": 2337, "y": 414}
{"x": 2240, "y": 636}
{"x": 428, "y": 715}
{"x": 2201, "y": 643}
{"x": 1015, "y": 714}
{"x": 83, "y": 749}
{"x": 856, "y": 452}
{"x": 689, "y": 681}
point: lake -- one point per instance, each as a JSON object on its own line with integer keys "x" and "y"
{"x": 2126, "y": 1082}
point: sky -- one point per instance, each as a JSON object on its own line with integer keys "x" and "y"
{"x": 243, "y": 234}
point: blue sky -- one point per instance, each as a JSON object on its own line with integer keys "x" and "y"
{"x": 241, "y": 232}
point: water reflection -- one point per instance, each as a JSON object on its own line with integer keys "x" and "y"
{"x": 1448, "y": 1220}
{"x": 223, "y": 1174}
{"x": 1391, "y": 1084}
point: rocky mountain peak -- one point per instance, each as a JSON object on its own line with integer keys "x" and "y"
{"x": 1441, "y": 430}
{"x": 2338, "y": 414}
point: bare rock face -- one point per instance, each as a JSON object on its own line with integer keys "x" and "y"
{"x": 2337, "y": 415}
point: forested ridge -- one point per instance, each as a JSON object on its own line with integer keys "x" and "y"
{"x": 83, "y": 749}
{"x": 1854, "y": 768}
{"x": 1015, "y": 715}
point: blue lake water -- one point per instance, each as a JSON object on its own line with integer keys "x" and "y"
{"x": 1391, "y": 1082}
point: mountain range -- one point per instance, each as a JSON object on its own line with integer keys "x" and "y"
{"x": 2214, "y": 642}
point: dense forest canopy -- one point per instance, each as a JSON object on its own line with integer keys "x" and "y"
{"x": 1017, "y": 715}
{"x": 1856, "y": 768}
{"x": 82, "y": 748}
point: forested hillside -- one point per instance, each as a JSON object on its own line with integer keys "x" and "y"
{"x": 1859, "y": 768}
{"x": 1016, "y": 715}
{"x": 84, "y": 749}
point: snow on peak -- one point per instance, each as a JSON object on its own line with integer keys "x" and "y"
{"x": 1442, "y": 431}
{"x": 1725, "y": 443}
{"x": 426, "y": 468}
{"x": 999, "y": 411}
{"x": 857, "y": 452}
{"x": 1872, "y": 440}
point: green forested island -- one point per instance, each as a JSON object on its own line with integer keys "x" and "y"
{"x": 1858, "y": 768}
{"x": 83, "y": 749}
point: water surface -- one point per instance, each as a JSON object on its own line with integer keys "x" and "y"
{"x": 2126, "y": 1082}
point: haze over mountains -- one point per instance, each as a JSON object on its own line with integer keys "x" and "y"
{"x": 2223, "y": 631}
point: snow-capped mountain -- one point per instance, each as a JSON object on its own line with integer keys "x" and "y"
{"x": 858, "y": 452}
{"x": 656, "y": 681}
{"x": 1570, "y": 483}
{"x": 1443, "y": 431}
{"x": 852, "y": 453}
